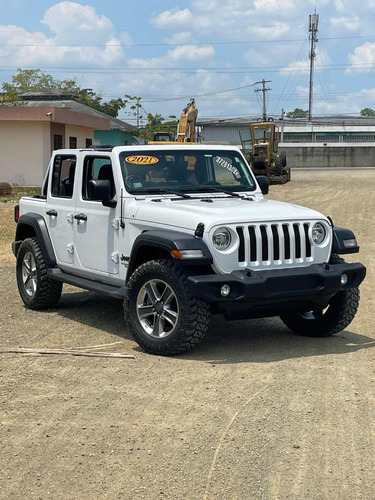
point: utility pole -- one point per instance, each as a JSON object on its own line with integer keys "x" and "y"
{"x": 313, "y": 30}
{"x": 282, "y": 125}
{"x": 263, "y": 90}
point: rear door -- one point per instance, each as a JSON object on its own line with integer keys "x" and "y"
{"x": 96, "y": 228}
{"x": 60, "y": 206}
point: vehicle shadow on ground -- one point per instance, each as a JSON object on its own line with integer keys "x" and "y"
{"x": 258, "y": 341}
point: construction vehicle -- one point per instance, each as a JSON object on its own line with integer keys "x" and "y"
{"x": 185, "y": 127}
{"x": 260, "y": 146}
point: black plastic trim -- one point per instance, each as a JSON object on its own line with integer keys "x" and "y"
{"x": 170, "y": 240}
{"x": 117, "y": 292}
{"x": 339, "y": 235}
{"x": 250, "y": 288}
{"x": 39, "y": 226}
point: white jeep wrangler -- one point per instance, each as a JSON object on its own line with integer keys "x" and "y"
{"x": 180, "y": 232}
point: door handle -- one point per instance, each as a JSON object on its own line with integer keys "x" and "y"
{"x": 52, "y": 213}
{"x": 80, "y": 217}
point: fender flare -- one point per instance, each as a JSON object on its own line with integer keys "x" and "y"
{"x": 341, "y": 234}
{"x": 39, "y": 226}
{"x": 168, "y": 241}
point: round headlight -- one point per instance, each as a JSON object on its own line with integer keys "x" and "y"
{"x": 221, "y": 238}
{"x": 318, "y": 233}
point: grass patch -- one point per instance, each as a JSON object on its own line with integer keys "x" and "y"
{"x": 7, "y": 224}
{"x": 7, "y": 231}
{"x": 18, "y": 192}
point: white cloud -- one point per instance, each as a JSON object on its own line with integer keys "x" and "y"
{"x": 173, "y": 56}
{"x": 270, "y": 6}
{"x": 321, "y": 62}
{"x": 191, "y": 53}
{"x": 349, "y": 23}
{"x": 214, "y": 15}
{"x": 271, "y": 32}
{"x": 71, "y": 16}
{"x": 362, "y": 59}
{"x": 339, "y": 5}
{"x": 180, "y": 37}
{"x": 80, "y": 36}
{"x": 173, "y": 18}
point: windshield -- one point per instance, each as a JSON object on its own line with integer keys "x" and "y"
{"x": 262, "y": 134}
{"x": 189, "y": 171}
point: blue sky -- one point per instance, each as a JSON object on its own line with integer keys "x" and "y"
{"x": 169, "y": 51}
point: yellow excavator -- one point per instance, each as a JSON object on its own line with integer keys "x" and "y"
{"x": 185, "y": 127}
{"x": 260, "y": 146}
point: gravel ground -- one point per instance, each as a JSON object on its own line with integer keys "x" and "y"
{"x": 253, "y": 412}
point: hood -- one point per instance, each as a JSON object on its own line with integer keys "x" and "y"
{"x": 187, "y": 214}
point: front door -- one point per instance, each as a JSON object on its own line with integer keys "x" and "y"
{"x": 96, "y": 232}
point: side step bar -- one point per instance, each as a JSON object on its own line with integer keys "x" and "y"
{"x": 117, "y": 292}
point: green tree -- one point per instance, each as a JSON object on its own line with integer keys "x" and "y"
{"x": 155, "y": 123}
{"x": 367, "y": 112}
{"x": 34, "y": 79}
{"x": 297, "y": 113}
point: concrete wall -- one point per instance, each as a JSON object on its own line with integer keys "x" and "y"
{"x": 330, "y": 155}
{"x": 24, "y": 152}
{"x": 82, "y": 133}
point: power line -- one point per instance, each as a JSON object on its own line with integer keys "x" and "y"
{"x": 232, "y": 42}
{"x": 362, "y": 20}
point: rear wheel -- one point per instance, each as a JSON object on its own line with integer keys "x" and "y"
{"x": 37, "y": 291}
{"x": 283, "y": 158}
{"x": 334, "y": 318}
{"x": 162, "y": 314}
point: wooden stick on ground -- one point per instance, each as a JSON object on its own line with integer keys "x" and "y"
{"x": 21, "y": 350}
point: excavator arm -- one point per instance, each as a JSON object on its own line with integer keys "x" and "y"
{"x": 185, "y": 127}
{"x": 186, "y": 123}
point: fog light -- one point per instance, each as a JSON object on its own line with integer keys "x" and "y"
{"x": 344, "y": 279}
{"x": 225, "y": 290}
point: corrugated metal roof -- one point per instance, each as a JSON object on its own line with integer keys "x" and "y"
{"x": 342, "y": 120}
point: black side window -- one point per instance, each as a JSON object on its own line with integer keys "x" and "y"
{"x": 96, "y": 169}
{"x": 57, "y": 142}
{"x": 63, "y": 173}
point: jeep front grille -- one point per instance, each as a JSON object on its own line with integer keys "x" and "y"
{"x": 277, "y": 243}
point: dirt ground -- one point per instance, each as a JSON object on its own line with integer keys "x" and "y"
{"x": 253, "y": 412}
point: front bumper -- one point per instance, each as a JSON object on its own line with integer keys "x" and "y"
{"x": 271, "y": 292}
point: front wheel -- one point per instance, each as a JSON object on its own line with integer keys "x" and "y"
{"x": 162, "y": 314}
{"x": 334, "y": 318}
{"x": 278, "y": 165}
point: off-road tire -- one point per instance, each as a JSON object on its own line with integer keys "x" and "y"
{"x": 340, "y": 312}
{"x": 193, "y": 314}
{"x": 47, "y": 292}
{"x": 283, "y": 158}
{"x": 278, "y": 166}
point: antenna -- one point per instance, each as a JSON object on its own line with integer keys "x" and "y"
{"x": 313, "y": 30}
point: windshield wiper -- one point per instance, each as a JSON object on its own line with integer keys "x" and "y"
{"x": 220, "y": 190}
{"x": 168, "y": 191}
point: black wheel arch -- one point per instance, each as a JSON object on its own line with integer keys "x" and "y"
{"x": 340, "y": 235}
{"x": 159, "y": 243}
{"x": 33, "y": 225}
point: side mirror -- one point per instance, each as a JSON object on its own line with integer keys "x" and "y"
{"x": 101, "y": 191}
{"x": 263, "y": 183}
